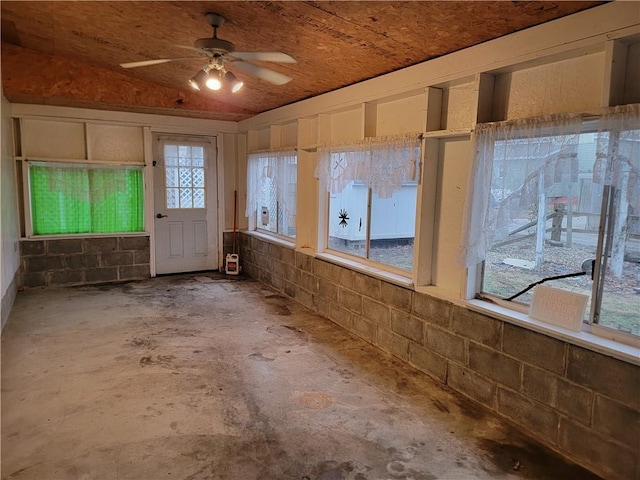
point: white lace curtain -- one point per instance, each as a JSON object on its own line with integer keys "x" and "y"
{"x": 381, "y": 163}
{"x": 618, "y": 152}
{"x": 544, "y": 152}
{"x": 618, "y": 164}
{"x": 271, "y": 169}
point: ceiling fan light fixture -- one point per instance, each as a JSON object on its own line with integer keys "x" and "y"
{"x": 197, "y": 81}
{"x": 235, "y": 83}
{"x": 218, "y": 52}
{"x": 214, "y": 80}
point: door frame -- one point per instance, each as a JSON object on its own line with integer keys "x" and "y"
{"x": 215, "y": 205}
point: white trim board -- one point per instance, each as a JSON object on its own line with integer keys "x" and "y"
{"x": 158, "y": 123}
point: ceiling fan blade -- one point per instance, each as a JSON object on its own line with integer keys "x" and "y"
{"x": 263, "y": 73}
{"x": 194, "y": 49}
{"x": 147, "y": 63}
{"x": 265, "y": 56}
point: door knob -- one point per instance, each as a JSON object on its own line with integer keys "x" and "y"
{"x": 160, "y": 215}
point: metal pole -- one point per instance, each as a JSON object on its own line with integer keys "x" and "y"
{"x": 542, "y": 221}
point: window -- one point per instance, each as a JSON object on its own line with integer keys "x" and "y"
{"x": 272, "y": 192}
{"x": 81, "y": 198}
{"x": 184, "y": 176}
{"x": 372, "y": 188}
{"x": 550, "y": 194}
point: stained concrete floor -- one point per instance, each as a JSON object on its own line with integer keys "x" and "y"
{"x": 211, "y": 377}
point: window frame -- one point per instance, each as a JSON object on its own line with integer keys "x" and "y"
{"x": 25, "y": 193}
{"x": 324, "y": 207}
{"x": 178, "y": 144}
{"x": 483, "y": 300}
{"x": 281, "y": 156}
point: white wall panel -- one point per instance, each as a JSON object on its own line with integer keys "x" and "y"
{"x": 53, "y": 139}
{"x": 9, "y": 225}
{"x": 572, "y": 85}
{"x": 289, "y": 135}
{"x": 459, "y": 106}
{"x": 115, "y": 143}
{"x": 453, "y": 165}
{"x": 347, "y": 125}
{"x": 231, "y": 179}
{"x": 264, "y": 139}
{"x": 402, "y": 116}
{"x": 307, "y": 132}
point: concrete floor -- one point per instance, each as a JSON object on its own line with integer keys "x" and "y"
{"x": 211, "y": 377}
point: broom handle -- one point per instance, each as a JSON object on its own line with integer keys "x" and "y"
{"x": 235, "y": 215}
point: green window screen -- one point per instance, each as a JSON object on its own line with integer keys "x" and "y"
{"x": 85, "y": 199}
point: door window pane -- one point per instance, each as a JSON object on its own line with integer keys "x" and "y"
{"x": 172, "y": 176}
{"x": 172, "y": 198}
{"x": 184, "y": 176}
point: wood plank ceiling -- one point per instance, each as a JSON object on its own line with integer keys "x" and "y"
{"x": 68, "y": 53}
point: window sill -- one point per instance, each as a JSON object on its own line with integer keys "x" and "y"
{"x": 372, "y": 271}
{"x": 66, "y": 236}
{"x": 590, "y": 341}
{"x": 271, "y": 238}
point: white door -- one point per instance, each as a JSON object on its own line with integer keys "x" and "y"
{"x": 185, "y": 201}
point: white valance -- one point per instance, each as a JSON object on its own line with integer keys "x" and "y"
{"x": 546, "y": 152}
{"x": 381, "y": 163}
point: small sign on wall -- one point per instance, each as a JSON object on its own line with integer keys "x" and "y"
{"x": 558, "y": 307}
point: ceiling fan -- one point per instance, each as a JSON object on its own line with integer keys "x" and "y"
{"x": 219, "y": 54}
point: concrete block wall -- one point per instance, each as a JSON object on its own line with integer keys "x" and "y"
{"x": 579, "y": 402}
{"x": 6, "y": 303}
{"x": 82, "y": 261}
